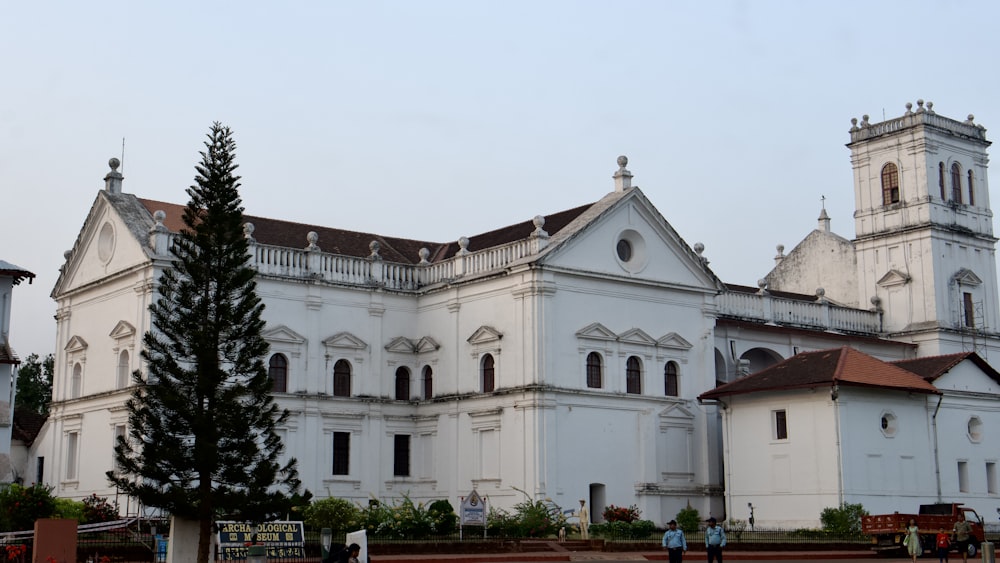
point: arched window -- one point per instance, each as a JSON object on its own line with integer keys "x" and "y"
{"x": 633, "y": 376}
{"x": 594, "y": 376}
{"x": 956, "y": 182}
{"x": 972, "y": 183}
{"x": 890, "y": 184}
{"x": 402, "y": 384}
{"x": 277, "y": 370}
{"x": 487, "y": 376}
{"x": 670, "y": 380}
{"x": 123, "y": 372}
{"x": 76, "y": 385}
{"x": 944, "y": 195}
{"x": 428, "y": 383}
{"x": 342, "y": 379}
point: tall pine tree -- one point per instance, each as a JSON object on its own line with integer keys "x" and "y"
{"x": 202, "y": 440}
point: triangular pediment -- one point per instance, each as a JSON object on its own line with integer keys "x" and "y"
{"x": 893, "y": 277}
{"x": 676, "y": 413}
{"x": 597, "y": 331}
{"x": 113, "y": 239}
{"x": 637, "y": 336}
{"x": 426, "y": 344}
{"x": 75, "y": 344}
{"x": 673, "y": 340}
{"x": 966, "y": 276}
{"x": 623, "y": 234}
{"x": 122, "y": 330}
{"x": 401, "y": 344}
{"x": 283, "y": 334}
{"x": 485, "y": 334}
{"x": 345, "y": 340}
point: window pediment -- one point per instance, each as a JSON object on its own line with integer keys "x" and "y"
{"x": 76, "y": 344}
{"x": 345, "y": 340}
{"x": 675, "y": 341}
{"x": 401, "y": 344}
{"x": 284, "y": 335}
{"x": 966, "y": 276}
{"x": 122, "y": 331}
{"x": 637, "y": 336}
{"x": 892, "y": 278}
{"x": 676, "y": 415}
{"x": 484, "y": 335}
{"x": 426, "y": 344}
{"x": 597, "y": 331}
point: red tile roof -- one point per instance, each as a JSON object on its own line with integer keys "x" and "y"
{"x": 16, "y": 272}
{"x": 27, "y": 425}
{"x": 837, "y": 366}
{"x": 7, "y": 355}
{"x": 288, "y": 234}
{"x": 933, "y": 367}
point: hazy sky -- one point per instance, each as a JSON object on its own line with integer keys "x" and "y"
{"x": 433, "y": 120}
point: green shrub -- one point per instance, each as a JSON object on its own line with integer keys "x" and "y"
{"x": 442, "y": 511}
{"x": 335, "y": 513}
{"x": 688, "y": 519}
{"x": 538, "y": 518}
{"x": 843, "y": 520}
{"x": 622, "y": 513}
{"x": 69, "y": 508}
{"x": 620, "y": 530}
{"x": 98, "y": 509}
{"x": 20, "y": 506}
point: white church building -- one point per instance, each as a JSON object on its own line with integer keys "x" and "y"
{"x": 563, "y": 356}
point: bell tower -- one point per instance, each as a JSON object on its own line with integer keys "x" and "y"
{"x": 924, "y": 230}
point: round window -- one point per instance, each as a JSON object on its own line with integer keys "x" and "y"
{"x": 624, "y": 250}
{"x": 888, "y": 424}
{"x": 106, "y": 242}
{"x": 975, "y": 429}
{"x": 630, "y": 251}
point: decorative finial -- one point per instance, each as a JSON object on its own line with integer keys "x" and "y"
{"x": 780, "y": 248}
{"x": 971, "y": 119}
{"x": 920, "y": 106}
{"x": 909, "y": 108}
{"x": 424, "y": 254}
{"x": 374, "y": 247}
{"x": 864, "y": 120}
{"x": 854, "y": 124}
{"x": 762, "y": 286}
{"x": 699, "y": 248}
{"x": 113, "y": 181}
{"x": 622, "y": 178}
{"x": 463, "y": 246}
{"x": 820, "y": 292}
{"x": 248, "y": 231}
{"x": 312, "y": 237}
{"x": 930, "y": 108}
{"x": 538, "y": 221}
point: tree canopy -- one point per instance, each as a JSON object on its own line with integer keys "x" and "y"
{"x": 34, "y": 384}
{"x": 202, "y": 438}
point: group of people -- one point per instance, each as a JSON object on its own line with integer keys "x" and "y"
{"x": 960, "y": 533}
{"x": 715, "y": 539}
{"x": 676, "y": 544}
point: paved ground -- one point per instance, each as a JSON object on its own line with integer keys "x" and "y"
{"x": 607, "y": 557}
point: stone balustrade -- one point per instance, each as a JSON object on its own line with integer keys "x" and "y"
{"x": 791, "y": 312}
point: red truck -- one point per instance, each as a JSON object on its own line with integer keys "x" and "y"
{"x": 888, "y": 530}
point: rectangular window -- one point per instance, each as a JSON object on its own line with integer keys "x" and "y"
{"x": 969, "y": 310}
{"x": 341, "y": 453}
{"x": 72, "y": 447}
{"x": 40, "y": 469}
{"x": 963, "y": 477}
{"x": 991, "y": 477}
{"x": 401, "y": 455}
{"x": 780, "y": 421}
